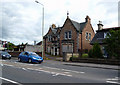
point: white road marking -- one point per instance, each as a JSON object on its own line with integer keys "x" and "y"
{"x": 113, "y": 80}
{"x": 10, "y": 80}
{"x": 8, "y": 65}
{"x": 24, "y": 69}
{"x": 1, "y": 64}
{"x": 64, "y": 70}
{"x": 54, "y": 73}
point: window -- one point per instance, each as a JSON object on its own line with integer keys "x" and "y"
{"x": 49, "y": 38}
{"x": 66, "y": 35}
{"x": 69, "y": 34}
{"x": 105, "y": 34}
{"x": 58, "y": 36}
{"x": 86, "y": 36}
{"x": 89, "y": 36}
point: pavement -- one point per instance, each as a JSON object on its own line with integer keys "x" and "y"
{"x": 92, "y": 65}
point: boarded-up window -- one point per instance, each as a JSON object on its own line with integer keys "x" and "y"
{"x": 67, "y": 48}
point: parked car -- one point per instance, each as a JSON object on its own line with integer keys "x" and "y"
{"x": 30, "y": 57}
{"x": 5, "y": 55}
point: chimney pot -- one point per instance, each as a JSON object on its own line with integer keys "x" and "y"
{"x": 100, "y": 25}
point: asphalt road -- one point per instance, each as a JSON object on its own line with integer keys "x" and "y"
{"x": 14, "y": 72}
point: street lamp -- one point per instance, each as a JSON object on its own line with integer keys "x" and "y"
{"x": 42, "y": 28}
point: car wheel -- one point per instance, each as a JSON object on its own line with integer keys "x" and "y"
{"x": 29, "y": 60}
{"x": 19, "y": 59}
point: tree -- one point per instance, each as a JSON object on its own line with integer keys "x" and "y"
{"x": 10, "y": 46}
{"x": 112, "y": 41}
{"x": 90, "y": 53}
{"x": 95, "y": 52}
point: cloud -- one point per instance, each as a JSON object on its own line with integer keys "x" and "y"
{"x": 20, "y": 22}
{"x": 22, "y": 19}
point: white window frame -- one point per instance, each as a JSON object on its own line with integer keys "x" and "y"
{"x": 69, "y": 34}
{"x": 90, "y": 36}
{"x": 86, "y": 35}
{"x": 66, "y": 35}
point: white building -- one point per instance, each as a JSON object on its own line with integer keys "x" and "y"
{"x": 33, "y": 48}
{"x": 1, "y": 46}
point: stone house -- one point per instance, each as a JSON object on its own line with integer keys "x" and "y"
{"x": 52, "y": 40}
{"x": 72, "y": 37}
{"x": 101, "y": 35}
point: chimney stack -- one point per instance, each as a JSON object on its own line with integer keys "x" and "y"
{"x": 100, "y": 25}
{"x": 53, "y": 26}
{"x": 34, "y": 42}
{"x": 87, "y": 19}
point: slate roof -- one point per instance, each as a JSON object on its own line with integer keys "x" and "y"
{"x": 54, "y": 30}
{"x": 99, "y": 36}
{"x": 79, "y": 26}
{"x": 40, "y": 43}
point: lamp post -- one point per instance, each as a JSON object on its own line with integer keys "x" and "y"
{"x": 42, "y": 27}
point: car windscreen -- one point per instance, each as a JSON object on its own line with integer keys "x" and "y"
{"x": 33, "y": 54}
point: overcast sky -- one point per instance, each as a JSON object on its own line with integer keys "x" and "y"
{"x": 21, "y": 20}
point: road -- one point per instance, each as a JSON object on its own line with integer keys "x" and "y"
{"x": 51, "y": 71}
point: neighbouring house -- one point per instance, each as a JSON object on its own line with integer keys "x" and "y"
{"x": 1, "y": 46}
{"x": 101, "y": 35}
{"x": 72, "y": 37}
{"x": 52, "y": 40}
{"x": 27, "y": 47}
{"x": 20, "y": 47}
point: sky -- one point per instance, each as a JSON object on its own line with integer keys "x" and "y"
{"x": 21, "y": 20}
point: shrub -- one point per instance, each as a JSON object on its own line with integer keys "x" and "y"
{"x": 84, "y": 55}
{"x": 90, "y": 53}
{"x": 96, "y": 51}
{"x": 71, "y": 58}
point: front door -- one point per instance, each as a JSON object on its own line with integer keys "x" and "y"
{"x": 55, "y": 51}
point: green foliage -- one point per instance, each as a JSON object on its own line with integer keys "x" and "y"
{"x": 90, "y": 53}
{"x": 96, "y": 51}
{"x": 112, "y": 41}
{"x": 10, "y": 46}
{"x": 71, "y": 58}
{"x": 84, "y": 55}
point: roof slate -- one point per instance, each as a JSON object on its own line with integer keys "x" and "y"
{"x": 99, "y": 36}
{"x": 79, "y": 26}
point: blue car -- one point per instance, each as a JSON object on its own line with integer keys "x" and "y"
{"x": 5, "y": 55}
{"x": 30, "y": 57}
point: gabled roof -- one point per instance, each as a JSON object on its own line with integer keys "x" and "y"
{"x": 54, "y": 30}
{"x": 40, "y": 43}
{"x": 79, "y": 26}
{"x": 98, "y": 38}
